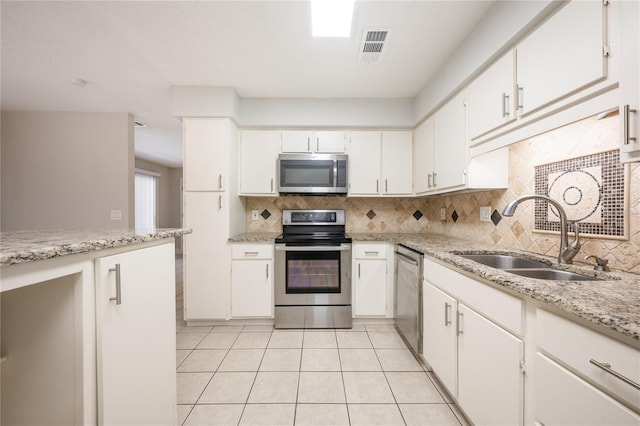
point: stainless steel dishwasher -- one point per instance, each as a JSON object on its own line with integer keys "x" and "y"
{"x": 408, "y": 295}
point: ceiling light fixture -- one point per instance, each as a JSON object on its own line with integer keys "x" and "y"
{"x": 331, "y": 18}
{"x": 79, "y": 82}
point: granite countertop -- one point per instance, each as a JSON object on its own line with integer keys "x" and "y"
{"x": 254, "y": 237}
{"x": 28, "y": 246}
{"x": 612, "y": 303}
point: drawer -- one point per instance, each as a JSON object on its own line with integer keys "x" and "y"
{"x": 252, "y": 251}
{"x": 574, "y": 345}
{"x": 562, "y": 398}
{"x": 370, "y": 250}
{"x": 500, "y": 307}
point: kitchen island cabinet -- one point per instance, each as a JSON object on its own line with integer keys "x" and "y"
{"x": 61, "y": 318}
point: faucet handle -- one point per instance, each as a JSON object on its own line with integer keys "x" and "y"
{"x": 601, "y": 264}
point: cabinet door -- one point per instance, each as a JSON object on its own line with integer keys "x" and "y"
{"x": 450, "y": 150}
{"x": 206, "y": 154}
{"x": 364, "y": 163}
{"x": 396, "y": 163}
{"x": 297, "y": 141}
{"x": 489, "y": 356}
{"x": 562, "y": 398}
{"x": 563, "y": 55}
{"x": 423, "y": 157}
{"x": 136, "y": 339}
{"x": 258, "y": 161}
{"x": 329, "y": 141}
{"x": 490, "y": 103}
{"x": 206, "y": 258}
{"x": 439, "y": 335}
{"x": 252, "y": 288}
{"x": 370, "y": 287}
{"x": 630, "y": 84}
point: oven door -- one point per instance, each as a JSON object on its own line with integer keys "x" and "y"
{"x": 312, "y": 275}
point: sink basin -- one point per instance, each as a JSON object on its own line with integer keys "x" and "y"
{"x": 551, "y": 274}
{"x": 525, "y": 267}
{"x": 504, "y": 261}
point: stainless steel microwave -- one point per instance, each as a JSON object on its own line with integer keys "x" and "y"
{"x": 312, "y": 174}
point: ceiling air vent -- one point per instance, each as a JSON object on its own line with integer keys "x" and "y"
{"x": 372, "y": 46}
{"x": 137, "y": 123}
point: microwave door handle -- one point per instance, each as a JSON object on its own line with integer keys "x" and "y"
{"x": 335, "y": 173}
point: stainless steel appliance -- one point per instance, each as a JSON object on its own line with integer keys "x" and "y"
{"x": 315, "y": 174}
{"x": 408, "y": 297}
{"x": 313, "y": 271}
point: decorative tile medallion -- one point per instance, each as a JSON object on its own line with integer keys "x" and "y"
{"x": 371, "y": 214}
{"x": 454, "y": 216}
{"x": 265, "y": 214}
{"x": 496, "y": 217}
{"x": 592, "y": 190}
{"x": 417, "y": 214}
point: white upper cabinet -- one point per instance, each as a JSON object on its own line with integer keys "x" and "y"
{"x": 423, "y": 157}
{"x": 450, "y": 146}
{"x": 564, "y": 55}
{"x": 309, "y": 141}
{"x": 380, "y": 163}
{"x": 630, "y": 84}
{"x": 258, "y": 162}
{"x": 206, "y": 154}
{"x": 364, "y": 163}
{"x": 491, "y": 97}
{"x": 396, "y": 163}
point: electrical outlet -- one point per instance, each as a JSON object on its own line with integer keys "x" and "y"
{"x": 485, "y": 214}
{"x": 443, "y": 214}
{"x": 116, "y": 214}
{"x": 255, "y": 214}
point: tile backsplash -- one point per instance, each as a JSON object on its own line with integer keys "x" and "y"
{"x": 408, "y": 215}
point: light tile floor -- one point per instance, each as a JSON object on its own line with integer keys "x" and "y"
{"x": 256, "y": 375}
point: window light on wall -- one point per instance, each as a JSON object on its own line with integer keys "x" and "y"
{"x": 331, "y": 18}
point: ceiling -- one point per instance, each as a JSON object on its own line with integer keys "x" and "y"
{"x": 132, "y": 53}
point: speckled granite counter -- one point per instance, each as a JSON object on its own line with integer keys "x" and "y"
{"x": 254, "y": 237}
{"x": 613, "y": 303}
{"x": 28, "y": 246}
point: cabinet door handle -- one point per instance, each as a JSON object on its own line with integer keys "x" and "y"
{"x": 434, "y": 179}
{"x": 118, "y": 297}
{"x": 267, "y": 271}
{"x": 377, "y": 185}
{"x": 271, "y": 184}
{"x": 505, "y": 105}
{"x": 520, "y": 97}
{"x": 219, "y": 202}
{"x": 429, "y": 180}
{"x": 220, "y": 186}
{"x": 386, "y": 186}
{"x": 447, "y": 310}
{"x": 308, "y": 144}
{"x": 459, "y": 323}
{"x": 358, "y": 270}
{"x": 318, "y": 144}
{"x": 625, "y": 110}
{"x": 607, "y": 367}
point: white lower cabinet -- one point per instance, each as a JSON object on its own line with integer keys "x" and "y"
{"x": 252, "y": 280}
{"x": 136, "y": 338}
{"x": 372, "y": 281}
{"x": 472, "y": 352}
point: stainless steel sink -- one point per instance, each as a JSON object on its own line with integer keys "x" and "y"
{"x": 504, "y": 261}
{"x": 526, "y": 267}
{"x": 551, "y": 274}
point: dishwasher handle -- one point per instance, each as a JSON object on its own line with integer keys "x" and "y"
{"x": 408, "y": 259}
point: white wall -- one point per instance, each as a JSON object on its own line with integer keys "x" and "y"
{"x": 66, "y": 170}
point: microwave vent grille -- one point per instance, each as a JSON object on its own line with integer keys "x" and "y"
{"x": 373, "y": 43}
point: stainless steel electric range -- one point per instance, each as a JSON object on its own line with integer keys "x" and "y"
{"x": 313, "y": 270}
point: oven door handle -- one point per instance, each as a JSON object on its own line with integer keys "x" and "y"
{"x": 343, "y": 247}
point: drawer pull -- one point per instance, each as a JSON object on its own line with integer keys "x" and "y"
{"x": 607, "y": 367}
{"x": 250, "y": 253}
{"x": 371, "y": 253}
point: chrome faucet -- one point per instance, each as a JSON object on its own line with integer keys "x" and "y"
{"x": 567, "y": 251}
